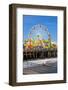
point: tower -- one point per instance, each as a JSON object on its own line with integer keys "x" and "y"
{"x": 49, "y": 40}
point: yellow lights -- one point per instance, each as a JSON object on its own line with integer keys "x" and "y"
{"x": 34, "y": 43}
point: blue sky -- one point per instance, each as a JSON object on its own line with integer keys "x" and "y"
{"x": 50, "y": 21}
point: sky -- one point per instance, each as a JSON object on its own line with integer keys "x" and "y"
{"x": 49, "y": 21}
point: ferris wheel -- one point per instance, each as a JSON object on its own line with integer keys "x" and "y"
{"x": 39, "y": 31}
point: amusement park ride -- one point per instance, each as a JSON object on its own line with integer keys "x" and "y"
{"x": 37, "y": 43}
